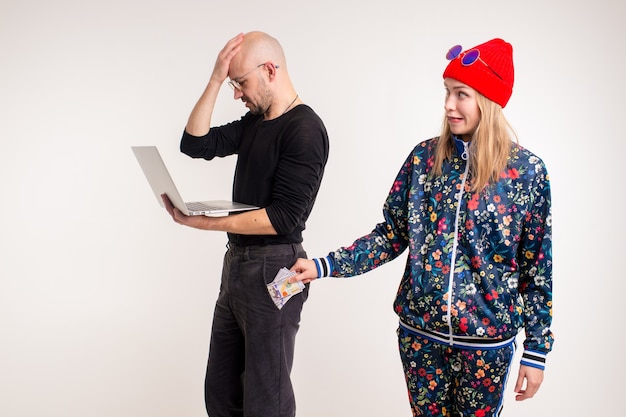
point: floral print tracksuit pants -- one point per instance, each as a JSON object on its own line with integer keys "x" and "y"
{"x": 446, "y": 381}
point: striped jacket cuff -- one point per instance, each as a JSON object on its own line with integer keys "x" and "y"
{"x": 324, "y": 267}
{"x": 534, "y": 359}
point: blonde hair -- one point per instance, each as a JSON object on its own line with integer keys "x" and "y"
{"x": 491, "y": 145}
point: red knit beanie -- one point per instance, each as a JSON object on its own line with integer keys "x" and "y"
{"x": 491, "y": 74}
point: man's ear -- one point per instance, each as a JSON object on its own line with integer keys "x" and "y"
{"x": 271, "y": 69}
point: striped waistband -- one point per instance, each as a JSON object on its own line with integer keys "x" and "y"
{"x": 466, "y": 342}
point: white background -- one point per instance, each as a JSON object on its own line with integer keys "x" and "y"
{"x": 106, "y": 304}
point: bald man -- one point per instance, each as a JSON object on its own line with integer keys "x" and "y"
{"x": 282, "y": 148}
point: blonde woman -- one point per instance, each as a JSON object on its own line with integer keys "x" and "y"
{"x": 473, "y": 208}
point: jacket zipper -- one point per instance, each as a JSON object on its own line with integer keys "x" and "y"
{"x": 455, "y": 243}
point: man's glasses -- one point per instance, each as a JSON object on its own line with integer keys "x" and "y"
{"x": 467, "y": 58}
{"x": 236, "y": 83}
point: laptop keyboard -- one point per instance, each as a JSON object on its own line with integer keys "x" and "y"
{"x": 196, "y": 206}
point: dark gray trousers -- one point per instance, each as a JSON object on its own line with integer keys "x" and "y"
{"x": 252, "y": 341}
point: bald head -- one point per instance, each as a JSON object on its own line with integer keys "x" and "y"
{"x": 260, "y": 69}
{"x": 259, "y": 47}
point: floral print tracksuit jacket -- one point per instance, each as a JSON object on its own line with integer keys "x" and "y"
{"x": 480, "y": 263}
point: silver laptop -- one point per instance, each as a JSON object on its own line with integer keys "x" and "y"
{"x": 161, "y": 182}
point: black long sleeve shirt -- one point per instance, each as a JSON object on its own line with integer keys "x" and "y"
{"x": 280, "y": 164}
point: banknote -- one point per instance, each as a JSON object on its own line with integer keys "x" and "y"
{"x": 281, "y": 290}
